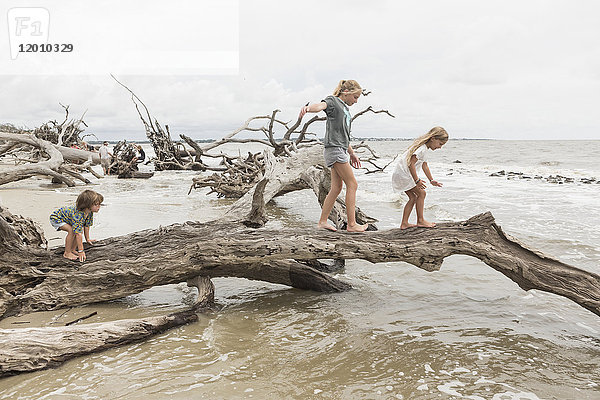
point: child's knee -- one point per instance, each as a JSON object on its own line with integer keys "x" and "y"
{"x": 352, "y": 185}
{"x": 336, "y": 187}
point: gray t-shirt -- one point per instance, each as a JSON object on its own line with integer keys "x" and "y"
{"x": 337, "y": 130}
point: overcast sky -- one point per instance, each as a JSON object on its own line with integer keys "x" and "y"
{"x": 527, "y": 69}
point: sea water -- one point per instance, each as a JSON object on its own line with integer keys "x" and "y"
{"x": 465, "y": 331}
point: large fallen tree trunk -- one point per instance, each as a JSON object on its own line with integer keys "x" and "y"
{"x": 125, "y": 265}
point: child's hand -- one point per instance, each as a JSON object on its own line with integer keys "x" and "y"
{"x": 303, "y": 111}
{"x": 354, "y": 160}
{"x": 91, "y": 241}
{"x": 81, "y": 256}
{"x": 436, "y": 183}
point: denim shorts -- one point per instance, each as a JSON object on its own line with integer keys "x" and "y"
{"x": 335, "y": 154}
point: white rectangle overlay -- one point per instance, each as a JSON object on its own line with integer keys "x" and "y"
{"x": 151, "y": 37}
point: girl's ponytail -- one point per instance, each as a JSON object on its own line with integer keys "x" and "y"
{"x": 347, "y": 86}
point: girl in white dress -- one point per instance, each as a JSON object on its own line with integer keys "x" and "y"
{"x": 405, "y": 178}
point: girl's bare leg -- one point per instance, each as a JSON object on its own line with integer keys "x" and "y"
{"x": 412, "y": 198}
{"x": 420, "y": 206}
{"x": 344, "y": 170}
{"x": 334, "y": 191}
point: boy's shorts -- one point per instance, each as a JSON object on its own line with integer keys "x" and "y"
{"x": 57, "y": 225}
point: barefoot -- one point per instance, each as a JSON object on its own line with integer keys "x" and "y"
{"x": 70, "y": 256}
{"x": 326, "y": 226}
{"x": 426, "y": 224}
{"x": 357, "y": 228}
{"x": 406, "y": 226}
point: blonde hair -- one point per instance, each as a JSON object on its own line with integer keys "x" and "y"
{"x": 434, "y": 133}
{"x": 348, "y": 86}
{"x": 87, "y": 199}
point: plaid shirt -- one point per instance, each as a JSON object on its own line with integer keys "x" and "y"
{"x": 72, "y": 216}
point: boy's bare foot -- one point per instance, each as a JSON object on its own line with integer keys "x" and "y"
{"x": 70, "y": 256}
{"x": 406, "y": 226}
{"x": 426, "y": 224}
{"x": 326, "y": 226}
{"x": 357, "y": 228}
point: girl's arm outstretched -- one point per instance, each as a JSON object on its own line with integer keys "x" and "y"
{"x": 313, "y": 108}
{"x": 428, "y": 175}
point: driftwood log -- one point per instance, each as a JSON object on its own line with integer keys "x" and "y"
{"x": 31, "y": 349}
{"x": 132, "y": 263}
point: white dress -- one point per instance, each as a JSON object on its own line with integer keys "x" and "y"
{"x": 402, "y": 180}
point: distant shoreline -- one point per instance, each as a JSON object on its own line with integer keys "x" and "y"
{"x": 358, "y": 139}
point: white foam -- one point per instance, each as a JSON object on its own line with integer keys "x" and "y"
{"x": 448, "y": 388}
{"x": 460, "y": 370}
{"x": 515, "y": 396}
{"x": 58, "y": 391}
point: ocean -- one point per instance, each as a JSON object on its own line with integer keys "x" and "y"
{"x": 465, "y": 331}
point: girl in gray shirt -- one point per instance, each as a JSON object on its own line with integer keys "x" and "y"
{"x": 338, "y": 153}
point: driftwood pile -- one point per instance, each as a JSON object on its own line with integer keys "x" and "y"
{"x": 125, "y": 163}
{"x": 235, "y": 175}
{"x": 34, "y": 156}
{"x": 68, "y": 133}
{"x": 58, "y": 150}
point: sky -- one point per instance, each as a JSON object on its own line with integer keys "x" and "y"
{"x": 527, "y": 69}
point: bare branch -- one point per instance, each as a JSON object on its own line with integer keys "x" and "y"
{"x": 370, "y": 109}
